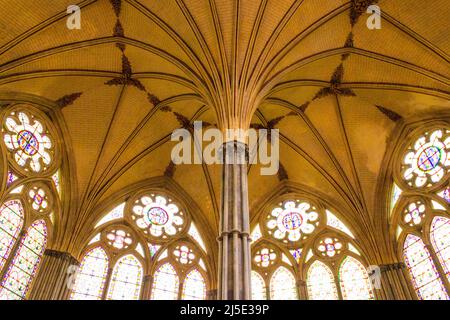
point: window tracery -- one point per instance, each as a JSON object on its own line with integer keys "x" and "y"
{"x": 421, "y": 216}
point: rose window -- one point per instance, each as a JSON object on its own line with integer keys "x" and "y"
{"x": 119, "y": 239}
{"x": 265, "y": 257}
{"x": 28, "y": 141}
{"x": 183, "y": 254}
{"x": 293, "y": 221}
{"x": 157, "y": 216}
{"x": 414, "y": 213}
{"x": 329, "y": 247}
{"x": 428, "y": 161}
{"x": 38, "y": 199}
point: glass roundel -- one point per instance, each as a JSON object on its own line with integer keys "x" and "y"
{"x": 26, "y": 138}
{"x": 157, "y": 216}
{"x": 293, "y": 220}
{"x": 428, "y": 160}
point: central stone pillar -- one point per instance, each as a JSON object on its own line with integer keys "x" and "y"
{"x": 55, "y": 276}
{"x": 234, "y": 238}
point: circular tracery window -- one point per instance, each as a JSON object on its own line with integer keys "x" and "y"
{"x": 183, "y": 254}
{"x": 428, "y": 161}
{"x": 157, "y": 216}
{"x": 29, "y": 142}
{"x": 414, "y": 213}
{"x": 293, "y": 220}
{"x": 119, "y": 238}
{"x": 39, "y": 198}
{"x": 265, "y": 257}
{"x": 329, "y": 247}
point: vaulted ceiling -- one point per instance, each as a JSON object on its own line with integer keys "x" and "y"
{"x": 138, "y": 69}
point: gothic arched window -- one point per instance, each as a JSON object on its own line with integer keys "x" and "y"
{"x": 320, "y": 282}
{"x": 258, "y": 287}
{"x": 149, "y": 231}
{"x": 419, "y": 210}
{"x": 29, "y": 209}
{"x": 354, "y": 280}
{"x": 440, "y": 238}
{"x": 165, "y": 283}
{"x": 283, "y": 285}
{"x": 11, "y": 221}
{"x": 90, "y": 281}
{"x": 194, "y": 287}
{"x": 300, "y": 244}
{"x": 423, "y": 271}
{"x": 126, "y": 280}
{"x": 25, "y": 263}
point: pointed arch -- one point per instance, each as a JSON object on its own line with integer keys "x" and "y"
{"x": 354, "y": 280}
{"x": 26, "y": 261}
{"x": 126, "y": 279}
{"x": 90, "y": 282}
{"x": 425, "y": 278}
{"x": 283, "y": 285}
{"x": 11, "y": 222}
{"x": 258, "y": 287}
{"x": 165, "y": 283}
{"x": 440, "y": 239}
{"x": 320, "y": 282}
{"x": 194, "y": 287}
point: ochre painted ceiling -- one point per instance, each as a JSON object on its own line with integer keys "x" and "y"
{"x": 138, "y": 69}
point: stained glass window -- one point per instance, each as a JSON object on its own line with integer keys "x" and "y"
{"x": 445, "y": 194}
{"x": 11, "y": 220}
{"x": 329, "y": 247}
{"x": 320, "y": 282}
{"x": 423, "y": 272}
{"x": 183, "y": 254}
{"x": 28, "y": 141}
{"x": 116, "y": 213}
{"x": 428, "y": 160}
{"x": 91, "y": 278}
{"x": 283, "y": 285}
{"x": 193, "y": 232}
{"x": 297, "y": 254}
{"x": 336, "y": 223}
{"x": 294, "y": 220}
{"x": 119, "y": 239}
{"x": 56, "y": 181}
{"x": 396, "y": 193}
{"x": 440, "y": 238}
{"x": 258, "y": 287}
{"x": 165, "y": 283}
{"x": 126, "y": 279}
{"x": 158, "y": 216}
{"x": 256, "y": 234}
{"x": 25, "y": 263}
{"x": 265, "y": 257}
{"x": 194, "y": 287}
{"x": 153, "y": 248}
{"x": 11, "y": 178}
{"x": 354, "y": 280}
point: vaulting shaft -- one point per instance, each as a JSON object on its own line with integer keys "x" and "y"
{"x": 234, "y": 241}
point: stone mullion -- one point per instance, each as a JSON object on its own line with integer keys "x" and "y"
{"x": 147, "y": 287}
{"x": 302, "y": 290}
{"x": 11, "y": 256}
{"x": 107, "y": 283}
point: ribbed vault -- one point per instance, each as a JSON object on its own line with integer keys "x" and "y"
{"x": 138, "y": 69}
